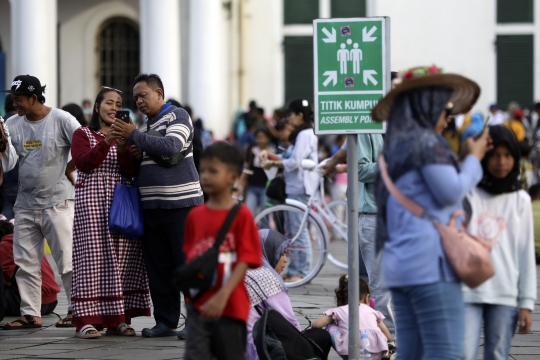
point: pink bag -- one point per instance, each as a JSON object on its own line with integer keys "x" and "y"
{"x": 468, "y": 255}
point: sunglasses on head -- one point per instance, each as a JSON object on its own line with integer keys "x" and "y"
{"x": 106, "y": 88}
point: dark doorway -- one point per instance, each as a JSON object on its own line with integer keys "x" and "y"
{"x": 117, "y": 51}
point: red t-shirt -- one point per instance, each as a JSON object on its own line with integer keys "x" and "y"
{"x": 242, "y": 244}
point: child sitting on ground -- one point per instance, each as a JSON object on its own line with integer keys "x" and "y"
{"x": 337, "y": 322}
{"x": 217, "y": 320}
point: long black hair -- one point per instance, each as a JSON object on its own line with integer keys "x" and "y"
{"x": 94, "y": 122}
{"x": 300, "y": 106}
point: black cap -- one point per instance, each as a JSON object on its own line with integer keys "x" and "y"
{"x": 26, "y": 85}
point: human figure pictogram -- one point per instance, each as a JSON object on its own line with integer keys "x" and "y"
{"x": 343, "y": 57}
{"x": 356, "y": 57}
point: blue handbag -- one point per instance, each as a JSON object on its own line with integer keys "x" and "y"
{"x": 126, "y": 215}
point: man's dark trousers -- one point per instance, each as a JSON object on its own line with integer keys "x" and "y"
{"x": 162, "y": 247}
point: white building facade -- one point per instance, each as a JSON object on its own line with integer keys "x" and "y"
{"x": 216, "y": 55}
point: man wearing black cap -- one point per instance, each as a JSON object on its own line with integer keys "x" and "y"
{"x": 41, "y": 137}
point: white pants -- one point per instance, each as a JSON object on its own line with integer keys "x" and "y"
{"x": 31, "y": 227}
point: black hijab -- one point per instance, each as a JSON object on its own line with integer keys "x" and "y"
{"x": 502, "y": 135}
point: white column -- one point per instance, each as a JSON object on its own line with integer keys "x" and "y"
{"x": 34, "y": 43}
{"x": 160, "y": 43}
{"x": 208, "y": 65}
{"x": 536, "y": 52}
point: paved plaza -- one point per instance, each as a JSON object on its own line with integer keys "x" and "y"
{"x": 309, "y": 301}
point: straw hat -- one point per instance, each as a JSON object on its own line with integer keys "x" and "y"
{"x": 466, "y": 91}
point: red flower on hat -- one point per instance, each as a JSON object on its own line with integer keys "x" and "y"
{"x": 408, "y": 75}
{"x": 433, "y": 70}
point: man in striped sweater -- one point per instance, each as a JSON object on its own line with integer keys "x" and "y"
{"x": 167, "y": 194}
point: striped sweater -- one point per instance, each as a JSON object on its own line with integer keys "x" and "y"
{"x": 161, "y": 187}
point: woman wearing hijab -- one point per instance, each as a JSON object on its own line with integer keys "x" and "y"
{"x": 426, "y": 292}
{"x": 299, "y": 184}
{"x": 501, "y": 214}
{"x": 266, "y": 289}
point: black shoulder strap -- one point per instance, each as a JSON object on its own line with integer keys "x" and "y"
{"x": 226, "y": 225}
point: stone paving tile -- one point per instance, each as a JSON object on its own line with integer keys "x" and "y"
{"x": 308, "y": 301}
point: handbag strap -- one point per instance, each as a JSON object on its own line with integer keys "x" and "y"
{"x": 404, "y": 200}
{"x": 226, "y": 225}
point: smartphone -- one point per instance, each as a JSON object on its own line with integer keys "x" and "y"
{"x": 487, "y": 120}
{"x": 123, "y": 115}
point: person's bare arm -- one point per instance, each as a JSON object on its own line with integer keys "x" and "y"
{"x": 525, "y": 321}
{"x": 385, "y": 331}
{"x": 322, "y": 322}
{"x": 213, "y": 308}
{"x": 70, "y": 169}
{"x": 339, "y": 158}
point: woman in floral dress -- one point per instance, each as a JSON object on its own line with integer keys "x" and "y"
{"x": 110, "y": 286}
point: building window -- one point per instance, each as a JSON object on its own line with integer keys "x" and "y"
{"x": 298, "y": 68}
{"x": 118, "y": 53}
{"x": 348, "y": 8}
{"x": 300, "y": 11}
{"x": 515, "y": 11}
{"x": 515, "y": 70}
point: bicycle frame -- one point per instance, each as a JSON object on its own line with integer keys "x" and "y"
{"x": 323, "y": 212}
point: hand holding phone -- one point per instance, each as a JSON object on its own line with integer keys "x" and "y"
{"x": 123, "y": 115}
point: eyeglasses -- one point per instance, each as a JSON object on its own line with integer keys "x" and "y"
{"x": 106, "y": 88}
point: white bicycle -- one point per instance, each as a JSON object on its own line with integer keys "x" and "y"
{"x": 310, "y": 227}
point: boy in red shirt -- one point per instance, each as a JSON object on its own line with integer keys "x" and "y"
{"x": 217, "y": 320}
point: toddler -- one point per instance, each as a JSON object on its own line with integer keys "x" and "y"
{"x": 337, "y": 322}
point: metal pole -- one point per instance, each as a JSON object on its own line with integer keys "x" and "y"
{"x": 352, "y": 240}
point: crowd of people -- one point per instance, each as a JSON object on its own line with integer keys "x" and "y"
{"x": 61, "y": 168}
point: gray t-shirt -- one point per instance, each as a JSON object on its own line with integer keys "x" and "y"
{"x": 43, "y": 148}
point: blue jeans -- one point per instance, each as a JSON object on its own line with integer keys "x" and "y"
{"x": 255, "y": 199}
{"x": 300, "y": 251}
{"x": 373, "y": 264}
{"x": 499, "y": 328}
{"x": 429, "y": 321}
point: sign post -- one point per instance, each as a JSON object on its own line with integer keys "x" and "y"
{"x": 351, "y": 74}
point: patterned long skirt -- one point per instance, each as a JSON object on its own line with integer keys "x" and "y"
{"x": 110, "y": 285}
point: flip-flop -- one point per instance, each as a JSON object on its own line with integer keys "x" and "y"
{"x": 84, "y": 332}
{"x": 61, "y": 324}
{"x": 119, "y": 330}
{"x": 30, "y": 323}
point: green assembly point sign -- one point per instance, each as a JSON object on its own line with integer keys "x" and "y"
{"x": 352, "y": 73}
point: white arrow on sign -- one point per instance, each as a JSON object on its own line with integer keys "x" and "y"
{"x": 368, "y": 76}
{"x": 332, "y": 76}
{"x": 331, "y": 35}
{"x": 366, "y": 35}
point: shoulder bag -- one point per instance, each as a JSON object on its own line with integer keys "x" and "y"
{"x": 468, "y": 255}
{"x": 276, "y": 188}
{"x": 126, "y": 215}
{"x": 196, "y": 277}
{"x": 164, "y": 160}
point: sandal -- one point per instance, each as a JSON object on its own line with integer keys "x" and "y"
{"x": 121, "y": 329}
{"x": 84, "y": 333}
{"x": 293, "y": 278}
{"x": 30, "y": 323}
{"x": 62, "y": 323}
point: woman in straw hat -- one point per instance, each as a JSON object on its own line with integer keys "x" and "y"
{"x": 426, "y": 292}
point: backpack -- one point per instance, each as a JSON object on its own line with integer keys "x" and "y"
{"x": 277, "y": 339}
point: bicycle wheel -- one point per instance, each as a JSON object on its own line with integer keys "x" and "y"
{"x": 337, "y": 227}
{"x": 307, "y": 254}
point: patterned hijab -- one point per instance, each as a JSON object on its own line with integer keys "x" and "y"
{"x": 411, "y": 142}
{"x": 264, "y": 282}
{"x": 502, "y": 135}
